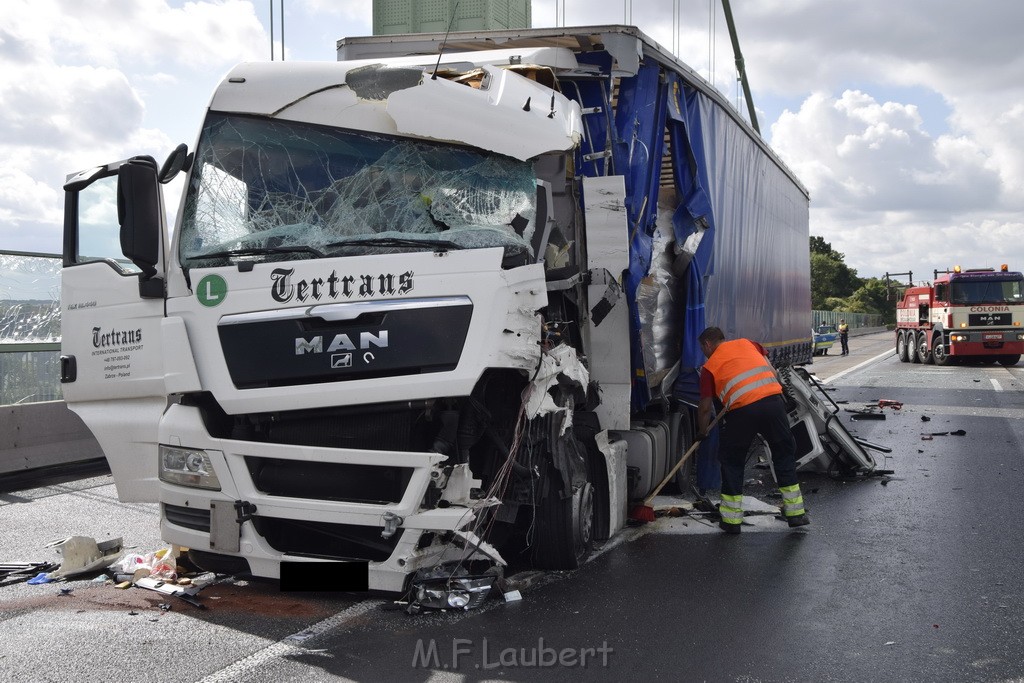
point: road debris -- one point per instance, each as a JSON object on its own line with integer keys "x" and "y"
{"x": 866, "y": 415}
{"x": 958, "y": 432}
{"x": 925, "y": 418}
{"x": 82, "y": 555}
{"x": 446, "y": 587}
{"x": 21, "y": 571}
{"x": 889, "y": 403}
{"x": 184, "y": 593}
{"x": 159, "y": 565}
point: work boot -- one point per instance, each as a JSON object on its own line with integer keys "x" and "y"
{"x": 799, "y": 520}
{"x": 729, "y": 528}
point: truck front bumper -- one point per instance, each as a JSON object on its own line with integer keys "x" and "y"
{"x": 985, "y": 342}
{"x": 293, "y": 513}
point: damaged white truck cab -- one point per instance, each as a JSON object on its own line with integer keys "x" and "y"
{"x": 411, "y": 315}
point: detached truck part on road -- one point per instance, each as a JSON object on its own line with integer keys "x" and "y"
{"x": 425, "y": 312}
{"x": 968, "y": 315}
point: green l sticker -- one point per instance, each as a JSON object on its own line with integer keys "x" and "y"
{"x": 211, "y": 290}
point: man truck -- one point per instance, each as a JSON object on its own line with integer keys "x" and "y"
{"x": 963, "y": 315}
{"x": 432, "y": 305}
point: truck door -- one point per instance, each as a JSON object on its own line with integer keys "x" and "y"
{"x": 112, "y": 302}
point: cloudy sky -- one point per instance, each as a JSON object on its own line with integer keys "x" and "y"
{"x": 905, "y": 120}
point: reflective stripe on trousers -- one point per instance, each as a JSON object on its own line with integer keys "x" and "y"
{"x": 792, "y": 500}
{"x": 731, "y": 509}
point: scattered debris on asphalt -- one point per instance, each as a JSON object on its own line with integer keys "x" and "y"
{"x": 83, "y": 555}
{"x": 170, "y": 587}
{"x": 925, "y": 418}
{"x": 159, "y": 565}
{"x": 958, "y": 432}
{"x": 889, "y": 403}
{"x": 22, "y": 571}
{"x": 449, "y": 586}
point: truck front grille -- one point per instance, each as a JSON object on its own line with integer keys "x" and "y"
{"x": 326, "y": 540}
{"x": 328, "y": 481}
{"x": 190, "y": 518}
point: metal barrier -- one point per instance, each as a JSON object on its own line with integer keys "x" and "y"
{"x": 854, "y": 320}
{"x": 37, "y": 429}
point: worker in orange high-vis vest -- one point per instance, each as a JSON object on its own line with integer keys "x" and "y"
{"x": 741, "y": 380}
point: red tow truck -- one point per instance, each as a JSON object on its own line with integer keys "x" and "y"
{"x": 975, "y": 314}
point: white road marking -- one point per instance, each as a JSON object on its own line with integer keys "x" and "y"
{"x": 996, "y": 385}
{"x": 289, "y": 645}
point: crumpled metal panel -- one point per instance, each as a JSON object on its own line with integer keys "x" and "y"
{"x": 491, "y": 117}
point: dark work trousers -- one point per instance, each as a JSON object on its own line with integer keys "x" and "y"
{"x": 844, "y": 340}
{"x": 766, "y": 417}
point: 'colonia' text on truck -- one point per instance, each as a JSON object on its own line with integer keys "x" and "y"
{"x": 425, "y": 312}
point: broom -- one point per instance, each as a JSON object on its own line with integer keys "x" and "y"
{"x": 645, "y": 513}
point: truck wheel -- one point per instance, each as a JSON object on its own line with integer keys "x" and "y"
{"x": 1007, "y": 361}
{"x": 565, "y": 526}
{"x": 939, "y": 354}
{"x": 901, "y": 347}
{"x": 563, "y": 530}
{"x": 924, "y": 354}
{"x": 912, "y": 356}
{"x": 684, "y": 476}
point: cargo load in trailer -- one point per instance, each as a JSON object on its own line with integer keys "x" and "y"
{"x": 964, "y": 315}
{"x": 414, "y": 309}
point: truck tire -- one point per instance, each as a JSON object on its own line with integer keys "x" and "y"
{"x": 901, "y": 347}
{"x": 939, "y": 354}
{"x": 912, "y": 356}
{"x": 1007, "y": 361}
{"x": 684, "y": 477}
{"x": 924, "y": 354}
{"x": 565, "y": 527}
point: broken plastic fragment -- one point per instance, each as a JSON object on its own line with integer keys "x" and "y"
{"x": 868, "y": 416}
{"x": 443, "y": 587}
{"x": 81, "y": 554}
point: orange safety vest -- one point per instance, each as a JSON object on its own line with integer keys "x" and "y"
{"x": 742, "y": 374}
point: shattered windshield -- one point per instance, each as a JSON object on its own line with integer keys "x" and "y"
{"x": 280, "y": 190}
{"x": 987, "y": 292}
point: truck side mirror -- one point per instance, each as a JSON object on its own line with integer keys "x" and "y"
{"x": 178, "y": 160}
{"x": 138, "y": 213}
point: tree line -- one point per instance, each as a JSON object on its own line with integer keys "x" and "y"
{"x": 836, "y": 287}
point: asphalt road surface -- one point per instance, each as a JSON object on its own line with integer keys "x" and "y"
{"x": 912, "y": 576}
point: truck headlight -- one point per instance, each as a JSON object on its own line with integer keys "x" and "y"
{"x": 1020, "y": 336}
{"x": 187, "y": 467}
{"x": 958, "y": 337}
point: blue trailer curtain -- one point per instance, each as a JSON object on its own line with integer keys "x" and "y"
{"x": 640, "y": 125}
